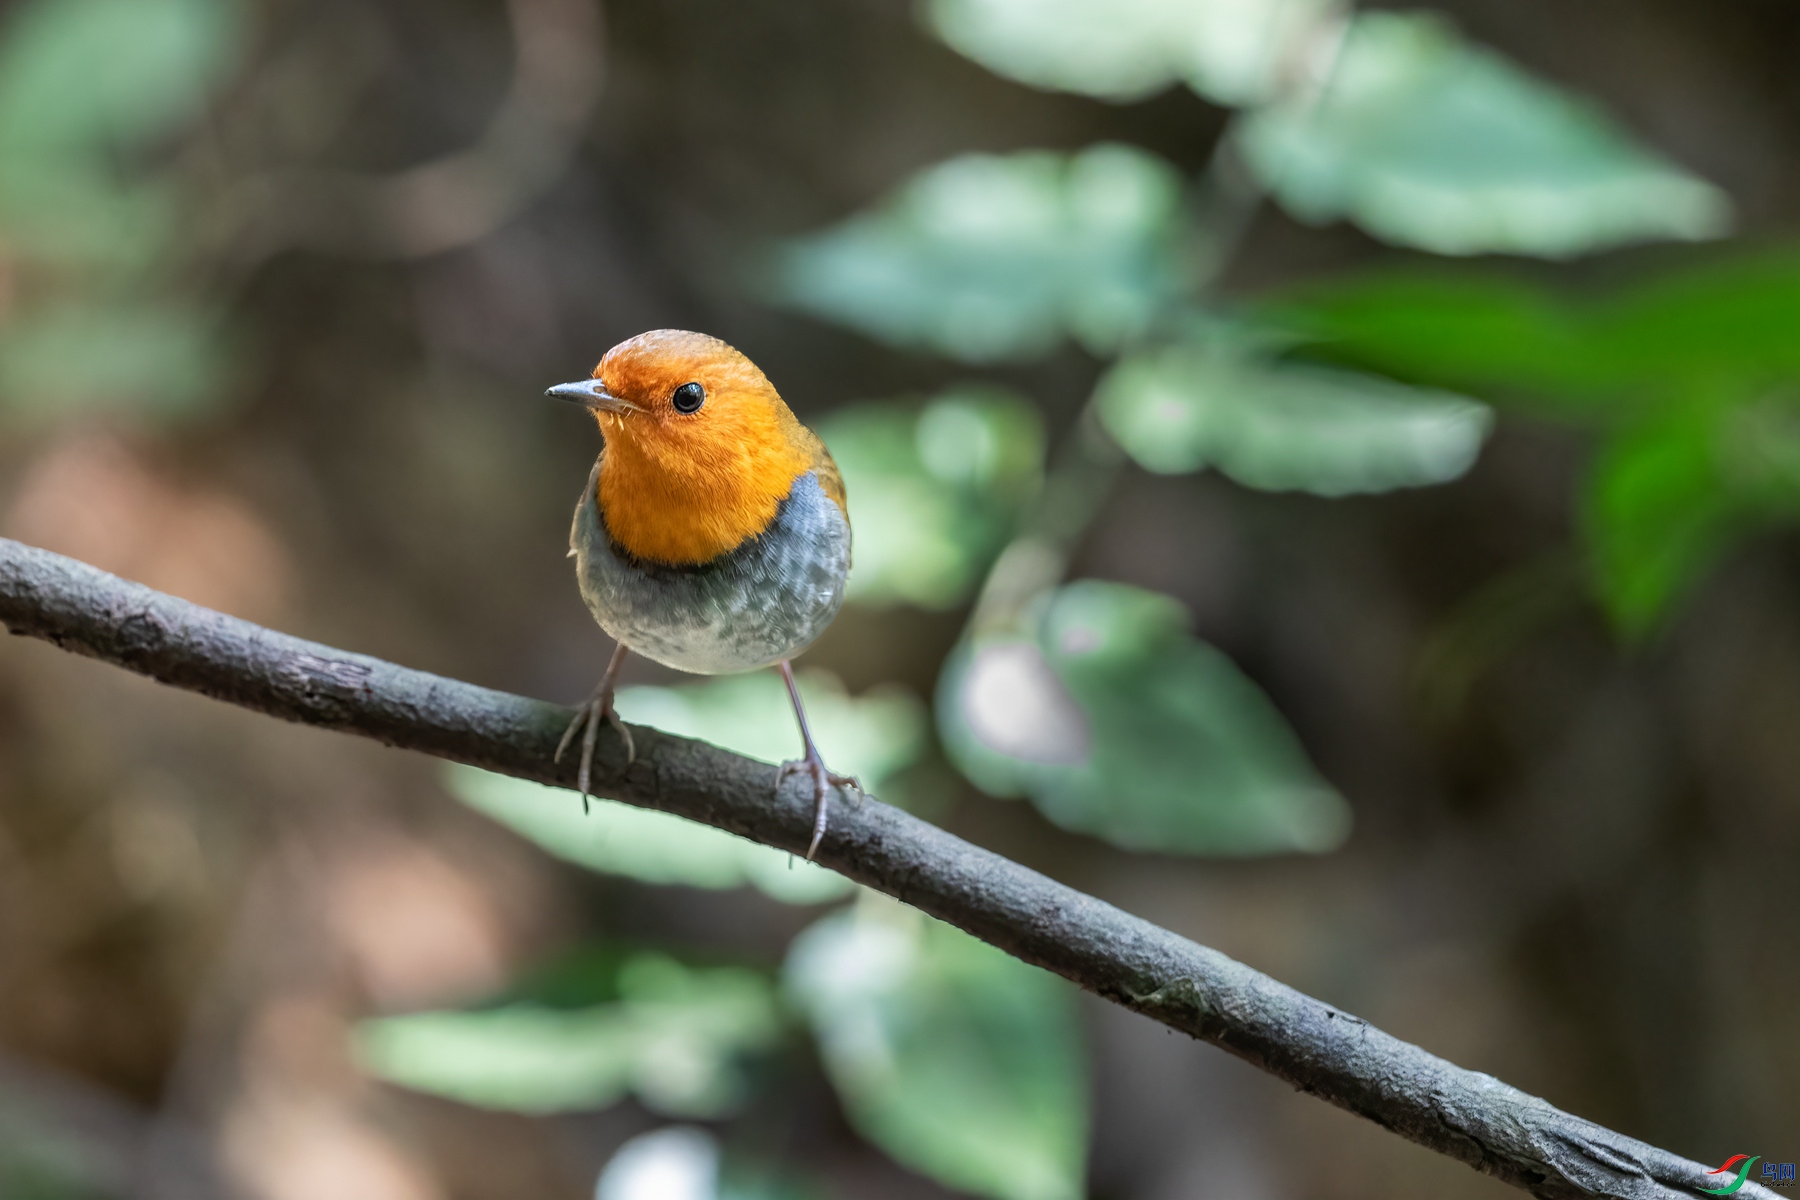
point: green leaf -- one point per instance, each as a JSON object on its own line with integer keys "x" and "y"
{"x": 1280, "y": 426}
{"x": 1668, "y": 497}
{"x": 873, "y": 736}
{"x": 1230, "y": 51}
{"x": 83, "y": 76}
{"x": 1726, "y": 321}
{"x": 1117, "y": 723}
{"x": 1720, "y": 322}
{"x": 986, "y": 258}
{"x": 648, "y": 846}
{"x": 1425, "y": 140}
{"x": 676, "y": 1038}
{"x": 1463, "y": 329}
{"x": 1658, "y": 514}
{"x": 934, "y": 490}
{"x": 162, "y": 360}
{"x": 959, "y": 1061}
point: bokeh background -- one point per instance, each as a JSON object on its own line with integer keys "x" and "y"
{"x": 1324, "y": 481}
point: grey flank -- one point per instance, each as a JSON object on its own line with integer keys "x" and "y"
{"x": 764, "y": 601}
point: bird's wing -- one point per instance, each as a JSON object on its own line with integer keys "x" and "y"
{"x": 831, "y": 480}
{"x": 593, "y": 484}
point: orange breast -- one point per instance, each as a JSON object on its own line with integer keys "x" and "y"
{"x": 690, "y": 504}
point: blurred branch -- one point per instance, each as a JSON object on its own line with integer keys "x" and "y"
{"x": 461, "y": 197}
{"x": 1469, "y": 1116}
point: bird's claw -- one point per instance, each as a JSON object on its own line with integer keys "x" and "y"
{"x": 598, "y": 708}
{"x": 824, "y": 780}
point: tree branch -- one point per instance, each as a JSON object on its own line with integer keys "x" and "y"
{"x": 1472, "y": 1117}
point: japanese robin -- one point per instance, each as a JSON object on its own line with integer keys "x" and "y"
{"x": 712, "y": 535}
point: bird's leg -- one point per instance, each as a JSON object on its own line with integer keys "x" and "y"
{"x": 823, "y": 779}
{"x": 598, "y": 707}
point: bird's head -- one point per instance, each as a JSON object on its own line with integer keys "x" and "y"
{"x": 700, "y": 448}
{"x": 671, "y": 392}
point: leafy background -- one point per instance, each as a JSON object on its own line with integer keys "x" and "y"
{"x": 1324, "y": 480}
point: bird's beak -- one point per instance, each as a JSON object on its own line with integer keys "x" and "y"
{"x": 592, "y": 395}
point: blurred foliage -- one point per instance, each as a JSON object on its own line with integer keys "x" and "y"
{"x": 1659, "y": 508}
{"x": 1116, "y": 722}
{"x": 1390, "y": 120}
{"x": 874, "y": 736}
{"x": 985, "y": 258}
{"x": 990, "y": 1095}
{"x": 162, "y": 360}
{"x": 1692, "y": 381}
{"x": 1277, "y": 426}
{"x": 160, "y": 59}
{"x": 674, "y": 1035}
{"x": 643, "y": 844}
{"x": 1728, "y": 322}
{"x": 934, "y": 490}
{"x": 1427, "y": 141}
{"x": 38, "y": 1162}
{"x": 1230, "y": 51}
{"x": 88, "y": 91}
{"x": 959, "y": 1061}
{"x": 1093, "y": 700}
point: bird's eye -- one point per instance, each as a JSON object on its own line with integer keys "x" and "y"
{"x": 688, "y": 398}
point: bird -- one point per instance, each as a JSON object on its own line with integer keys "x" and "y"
{"x": 713, "y": 535}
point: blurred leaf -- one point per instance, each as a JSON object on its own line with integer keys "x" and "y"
{"x": 959, "y": 1061}
{"x": 985, "y": 258}
{"x": 1691, "y": 375}
{"x": 1279, "y": 426}
{"x": 933, "y": 490}
{"x": 1723, "y": 321}
{"x": 1658, "y": 515}
{"x": 1230, "y": 51}
{"x": 1117, "y": 723}
{"x": 87, "y": 75}
{"x": 675, "y": 1037}
{"x": 1425, "y": 140}
{"x": 162, "y": 359}
{"x": 649, "y": 846}
{"x": 82, "y": 217}
{"x": 1669, "y": 496}
{"x": 1463, "y": 329}
{"x": 873, "y": 736}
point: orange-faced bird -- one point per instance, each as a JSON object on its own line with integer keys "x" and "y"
{"x": 712, "y": 535}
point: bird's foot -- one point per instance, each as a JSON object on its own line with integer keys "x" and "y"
{"x": 598, "y": 708}
{"x": 824, "y": 780}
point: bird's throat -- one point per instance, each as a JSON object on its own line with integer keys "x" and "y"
{"x": 683, "y": 508}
